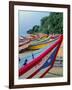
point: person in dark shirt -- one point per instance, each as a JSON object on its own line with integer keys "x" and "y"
{"x": 25, "y": 62}
{"x": 19, "y": 59}
{"x": 32, "y": 55}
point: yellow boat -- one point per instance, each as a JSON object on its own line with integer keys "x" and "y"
{"x": 41, "y": 44}
{"x": 38, "y": 46}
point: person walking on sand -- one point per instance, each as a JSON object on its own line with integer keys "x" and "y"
{"x": 19, "y": 59}
{"x": 32, "y": 55}
{"x": 25, "y": 62}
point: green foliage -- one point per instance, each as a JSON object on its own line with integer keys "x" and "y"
{"x": 50, "y": 24}
{"x": 33, "y": 30}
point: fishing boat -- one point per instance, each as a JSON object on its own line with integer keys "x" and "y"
{"x": 44, "y": 60}
{"x": 31, "y": 56}
{"x": 41, "y": 44}
{"x": 23, "y": 43}
{"x": 40, "y": 40}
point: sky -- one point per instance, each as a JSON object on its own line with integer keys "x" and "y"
{"x": 27, "y": 19}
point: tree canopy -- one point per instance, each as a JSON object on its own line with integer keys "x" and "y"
{"x": 49, "y": 24}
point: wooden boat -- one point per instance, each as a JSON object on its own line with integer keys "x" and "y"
{"x": 23, "y": 43}
{"x": 44, "y": 61}
{"x": 40, "y": 41}
{"x": 40, "y": 45}
{"x": 31, "y": 56}
{"x": 24, "y": 46}
{"x": 34, "y": 54}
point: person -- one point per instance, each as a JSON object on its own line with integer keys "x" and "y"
{"x": 25, "y": 62}
{"x": 32, "y": 55}
{"x": 19, "y": 59}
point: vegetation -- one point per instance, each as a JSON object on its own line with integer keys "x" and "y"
{"x": 49, "y": 24}
{"x": 34, "y": 29}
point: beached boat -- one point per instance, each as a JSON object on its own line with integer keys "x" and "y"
{"x": 41, "y": 44}
{"x": 35, "y": 47}
{"x": 44, "y": 60}
{"x": 23, "y": 43}
{"x": 40, "y": 40}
